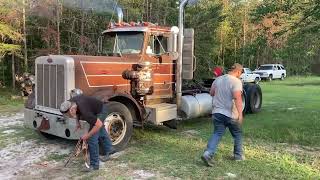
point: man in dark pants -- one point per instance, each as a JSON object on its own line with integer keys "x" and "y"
{"x": 94, "y": 112}
{"x": 227, "y": 112}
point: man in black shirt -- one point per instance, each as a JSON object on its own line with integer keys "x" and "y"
{"x": 94, "y": 112}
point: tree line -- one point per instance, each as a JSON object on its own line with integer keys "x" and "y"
{"x": 250, "y": 32}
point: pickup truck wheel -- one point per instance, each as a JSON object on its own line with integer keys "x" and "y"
{"x": 282, "y": 77}
{"x": 270, "y": 77}
{"x": 256, "y": 80}
{"x": 254, "y": 98}
{"x": 119, "y": 125}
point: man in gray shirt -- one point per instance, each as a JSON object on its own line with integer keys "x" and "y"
{"x": 227, "y": 112}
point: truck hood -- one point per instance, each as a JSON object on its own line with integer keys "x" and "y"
{"x": 102, "y": 72}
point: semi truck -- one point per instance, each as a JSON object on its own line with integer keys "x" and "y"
{"x": 138, "y": 74}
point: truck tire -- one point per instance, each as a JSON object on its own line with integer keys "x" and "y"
{"x": 282, "y": 77}
{"x": 270, "y": 78}
{"x": 244, "y": 102}
{"x": 119, "y": 124}
{"x": 254, "y": 98}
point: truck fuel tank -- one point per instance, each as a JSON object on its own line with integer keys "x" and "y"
{"x": 196, "y": 105}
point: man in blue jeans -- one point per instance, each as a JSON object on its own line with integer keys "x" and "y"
{"x": 94, "y": 112}
{"x": 227, "y": 112}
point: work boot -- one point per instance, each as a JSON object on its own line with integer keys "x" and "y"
{"x": 104, "y": 158}
{"x": 91, "y": 169}
{"x": 239, "y": 158}
{"x": 207, "y": 160}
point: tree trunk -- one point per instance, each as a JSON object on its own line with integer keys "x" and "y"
{"x": 13, "y": 72}
{"x": 25, "y": 37}
{"x": 235, "y": 50}
{"x": 244, "y": 34}
{"x": 82, "y": 28}
{"x": 58, "y": 26}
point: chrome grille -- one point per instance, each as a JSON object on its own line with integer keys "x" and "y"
{"x": 50, "y": 85}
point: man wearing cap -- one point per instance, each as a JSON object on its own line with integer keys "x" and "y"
{"x": 227, "y": 112}
{"x": 94, "y": 112}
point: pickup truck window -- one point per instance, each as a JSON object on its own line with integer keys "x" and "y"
{"x": 278, "y": 67}
{"x": 248, "y": 71}
{"x": 265, "y": 67}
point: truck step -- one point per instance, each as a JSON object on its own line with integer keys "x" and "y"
{"x": 159, "y": 113}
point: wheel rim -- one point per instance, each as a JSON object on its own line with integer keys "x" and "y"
{"x": 256, "y": 100}
{"x": 116, "y": 127}
{"x": 243, "y": 102}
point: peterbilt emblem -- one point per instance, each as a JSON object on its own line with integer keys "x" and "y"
{"x": 49, "y": 60}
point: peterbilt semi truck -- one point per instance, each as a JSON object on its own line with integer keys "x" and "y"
{"x": 138, "y": 74}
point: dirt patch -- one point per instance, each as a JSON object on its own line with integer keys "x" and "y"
{"x": 44, "y": 159}
{"x": 16, "y": 159}
{"x": 9, "y": 119}
{"x": 191, "y": 133}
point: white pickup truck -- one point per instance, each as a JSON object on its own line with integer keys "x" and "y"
{"x": 271, "y": 71}
{"x": 248, "y": 76}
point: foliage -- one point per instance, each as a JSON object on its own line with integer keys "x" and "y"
{"x": 249, "y": 32}
{"x": 10, "y": 36}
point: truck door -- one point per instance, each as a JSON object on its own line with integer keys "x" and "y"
{"x": 163, "y": 66}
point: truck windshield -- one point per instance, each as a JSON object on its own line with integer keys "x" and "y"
{"x": 128, "y": 42}
{"x": 265, "y": 68}
{"x": 248, "y": 71}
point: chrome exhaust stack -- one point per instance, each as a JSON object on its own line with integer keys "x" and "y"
{"x": 120, "y": 15}
{"x": 182, "y": 6}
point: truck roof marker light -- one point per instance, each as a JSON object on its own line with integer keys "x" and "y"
{"x": 125, "y": 24}
{"x": 111, "y": 25}
{"x": 132, "y": 23}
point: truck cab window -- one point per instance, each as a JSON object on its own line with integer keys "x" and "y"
{"x": 128, "y": 43}
{"x": 123, "y": 43}
{"x": 157, "y": 45}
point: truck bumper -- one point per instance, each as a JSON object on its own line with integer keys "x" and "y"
{"x": 59, "y": 126}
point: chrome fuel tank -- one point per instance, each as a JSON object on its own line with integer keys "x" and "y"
{"x": 197, "y": 105}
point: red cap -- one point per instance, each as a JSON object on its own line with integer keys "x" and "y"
{"x": 217, "y": 71}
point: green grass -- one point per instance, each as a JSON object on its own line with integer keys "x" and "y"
{"x": 281, "y": 142}
{"x": 7, "y": 104}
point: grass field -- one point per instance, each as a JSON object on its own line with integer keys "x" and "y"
{"x": 7, "y": 104}
{"x": 281, "y": 142}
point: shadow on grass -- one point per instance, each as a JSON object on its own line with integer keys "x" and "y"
{"x": 315, "y": 83}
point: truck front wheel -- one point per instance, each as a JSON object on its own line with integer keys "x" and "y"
{"x": 119, "y": 125}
